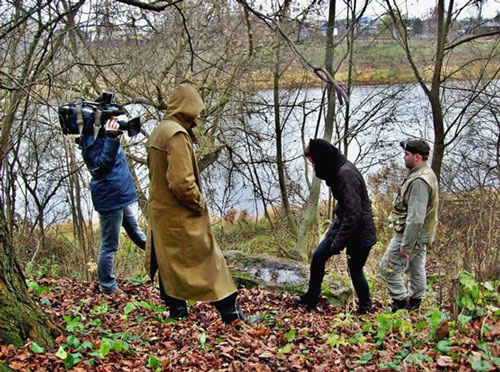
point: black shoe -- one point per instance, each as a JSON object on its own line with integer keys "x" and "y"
{"x": 177, "y": 308}
{"x": 364, "y": 307}
{"x": 178, "y": 312}
{"x": 399, "y": 304}
{"x": 228, "y": 309}
{"x": 413, "y": 304}
{"x": 306, "y": 301}
{"x": 116, "y": 291}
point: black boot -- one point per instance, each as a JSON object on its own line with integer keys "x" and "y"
{"x": 228, "y": 309}
{"x": 177, "y": 308}
{"x": 414, "y": 304}
{"x": 364, "y": 308}
{"x": 399, "y": 304}
{"x": 306, "y": 300}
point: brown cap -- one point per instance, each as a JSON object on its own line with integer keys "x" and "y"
{"x": 416, "y": 146}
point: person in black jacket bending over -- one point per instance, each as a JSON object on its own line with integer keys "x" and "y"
{"x": 353, "y": 227}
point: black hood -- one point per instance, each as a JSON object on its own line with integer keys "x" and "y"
{"x": 327, "y": 159}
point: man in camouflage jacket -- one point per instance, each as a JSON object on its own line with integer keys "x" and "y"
{"x": 414, "y": 219}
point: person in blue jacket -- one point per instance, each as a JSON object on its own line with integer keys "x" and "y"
{"x": 113, "y": 192}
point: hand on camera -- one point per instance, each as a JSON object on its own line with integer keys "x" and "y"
{"x": 112, "y": 128}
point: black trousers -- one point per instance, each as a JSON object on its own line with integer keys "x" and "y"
{"x": 226, "y": 304}
{"x": 356, "y": 259}
{"x": 169, "y": 300}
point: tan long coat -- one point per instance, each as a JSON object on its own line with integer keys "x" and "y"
{"x": 180, "y": 240}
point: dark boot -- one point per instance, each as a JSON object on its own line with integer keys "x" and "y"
{"x": 399, "y": 304}
{"x": 364, "y": 308}
{"x": 177, "y": 308}
{"x": 414, "y": 304}
{"x": 228, "y": 309}
{"x": 178, "y": 312}
{"x": 306, "y": 300}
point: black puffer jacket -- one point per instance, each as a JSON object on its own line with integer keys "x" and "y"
{"x": 353, "y": 224}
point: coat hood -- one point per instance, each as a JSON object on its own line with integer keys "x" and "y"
{"x": 327, "y": 159}
{"x": 184, "y": 105}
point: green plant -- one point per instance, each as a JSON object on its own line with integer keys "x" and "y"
{"x": 73, "y": 324}
{"x": 101, "y": 309}
{"x": 365, "y": 358}
{"x": 37, "y": 288}
{"x": 388, "y": 323}
{"x": 153, "y": 362}
{"x": 475, "y": 298}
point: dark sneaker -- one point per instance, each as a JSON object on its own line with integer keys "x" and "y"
{"x": 363, "y": 310}
{"x": 414, "y": 304}
{"x": 399, "y": 304}
{"x": 305, "y": 301}
{"x": 178, "y": 312}
{"x": 116, "y": 291}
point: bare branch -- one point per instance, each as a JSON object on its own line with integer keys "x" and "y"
{"x": 470, "y": 38}
{"x": 157, "y": 6}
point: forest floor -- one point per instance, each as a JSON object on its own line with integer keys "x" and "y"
{"x": 108, "y": 333}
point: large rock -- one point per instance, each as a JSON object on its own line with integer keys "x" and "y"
{"x": 279, "y": 274}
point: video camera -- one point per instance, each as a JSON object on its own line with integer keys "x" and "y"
{"x": 89, "y": 117}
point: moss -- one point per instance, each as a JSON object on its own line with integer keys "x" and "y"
{"x": 244, "y": 280}
{"x": 5, "y": 368}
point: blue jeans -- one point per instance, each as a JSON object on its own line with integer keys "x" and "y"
{"x": 111, "y": 222}
{"x": 356, "y": 259}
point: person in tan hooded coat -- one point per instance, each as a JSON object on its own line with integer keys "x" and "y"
{"x": 180, "y": 244}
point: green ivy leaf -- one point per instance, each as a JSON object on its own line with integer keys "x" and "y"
{"x": 153, "y": 362}
{"x": 104, "y": 349}
{"x": 129, "y": 308}
{"x": 365, "y": 358}
{"x": 61, "y": 353}
{"x": 146, "y": 305}
{"x": 443, "y": 346}
{"x": 481, "y": 366}
{"x": 118, "y": 346}
{"x": 37, "y": 349}
{"x": 87, "y": 345}
{"x": 290, "y": 335}
{"x": 489, "y": 286}
{"x": 285, "y": 349}
{"x": 73, "y": 341}
{"x": 69, "y": 362}
{"x": 464, "y": 319}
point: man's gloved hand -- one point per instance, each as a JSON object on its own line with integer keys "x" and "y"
{"x": 112, "y": 128}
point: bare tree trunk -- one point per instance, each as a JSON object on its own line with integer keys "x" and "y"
{"x": 308, "y": 230}
{"x": 74, "y": 196}
{"x": 434, "y": 94}
{"x": 279, "y": 147}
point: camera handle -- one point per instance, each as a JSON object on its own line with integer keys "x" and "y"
{"x": 79, "y": 121}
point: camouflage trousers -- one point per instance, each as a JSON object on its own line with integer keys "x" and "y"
{"x": 393, "y": 265}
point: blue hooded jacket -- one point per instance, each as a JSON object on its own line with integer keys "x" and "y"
{"x": 111, "y": 186}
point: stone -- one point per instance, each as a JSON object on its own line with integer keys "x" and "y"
{"x": 279, "y": 274}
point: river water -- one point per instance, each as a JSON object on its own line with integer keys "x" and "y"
{"x": 381, "y": 116}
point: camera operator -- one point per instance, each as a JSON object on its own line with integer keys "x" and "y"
{"x": 113, "y": 192}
